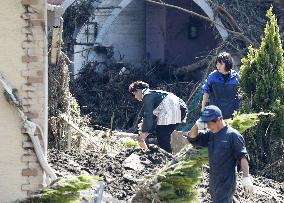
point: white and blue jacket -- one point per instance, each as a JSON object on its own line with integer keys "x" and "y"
{"x": 223, "y": 91}
{"x": 161, "y": 108}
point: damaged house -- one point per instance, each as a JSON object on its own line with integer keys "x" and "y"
{"x": 137, "y": 31}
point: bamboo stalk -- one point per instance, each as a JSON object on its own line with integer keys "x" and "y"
{"x": 74, "y": 126}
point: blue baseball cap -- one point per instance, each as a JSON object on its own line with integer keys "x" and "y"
{"x": 210, "y": 113}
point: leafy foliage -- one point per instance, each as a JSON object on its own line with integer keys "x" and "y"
{"x": 179, "y": 181}
{"x": 243, "y": 122}
{"x": 75, "y": 17}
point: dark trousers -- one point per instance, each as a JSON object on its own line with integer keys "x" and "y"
{"x": 222, "y": 188}
{"x": 164, "y": 136}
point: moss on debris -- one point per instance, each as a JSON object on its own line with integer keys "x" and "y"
{"x": 64, "y": 190}
{"x": 130, "y": 144}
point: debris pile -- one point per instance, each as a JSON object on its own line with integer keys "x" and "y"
{"x": 104, "y": 94}
{"x": 160, "y": 188}
{"x": 265, "y": 190}
{"x": 134, "y": 175}
{"x": 121, "y": 170}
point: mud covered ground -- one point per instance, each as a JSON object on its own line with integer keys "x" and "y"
{"x": 122, "y": 170}
{"x": 265, "y": 191}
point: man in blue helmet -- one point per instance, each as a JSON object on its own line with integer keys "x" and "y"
{"x": 226, "y": 147}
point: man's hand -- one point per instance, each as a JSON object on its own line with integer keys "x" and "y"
{"x": 247, "y": 184}
{"x": 142, "y": 137}
{"x": 247, "y": 179}
{"x": 193, "y": 132}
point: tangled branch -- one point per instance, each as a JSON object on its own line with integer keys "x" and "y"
{"x": 241, "y": 35}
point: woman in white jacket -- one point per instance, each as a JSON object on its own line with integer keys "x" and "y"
{"x": 162, "y": 112}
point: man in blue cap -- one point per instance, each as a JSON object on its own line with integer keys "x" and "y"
{"x": 226, "y": 147}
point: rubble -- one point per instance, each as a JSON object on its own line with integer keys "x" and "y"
{"x": 126, "y": 171}
{"x": 105, "y": 95}
{"x": 265, "y": 190}
{"x": 121, "y": 176}
{"x": 184, "y": 168}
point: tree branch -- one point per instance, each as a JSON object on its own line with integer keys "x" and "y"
{"x": 241, "y": 35}
{"x": 192, "y": 67}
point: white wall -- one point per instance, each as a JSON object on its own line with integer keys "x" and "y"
{"x": 126, "y": 34}
{"x": 11, "y": 149}
{"x": 23, "y": 63}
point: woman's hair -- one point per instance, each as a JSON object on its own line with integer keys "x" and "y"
{"x": 133, "y": 87}
{"x": 225, "y": 58}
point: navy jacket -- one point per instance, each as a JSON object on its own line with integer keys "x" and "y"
{"x": 151, "y": 102}
{"x": 225, "y": 148}
{"x": 223, "y": 92}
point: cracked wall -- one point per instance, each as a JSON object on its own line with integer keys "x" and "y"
{"x": 23, "y": 64}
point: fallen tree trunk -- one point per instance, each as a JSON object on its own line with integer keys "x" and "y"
{"x": 177, "y": 181}
{"x": 192, "y": 67}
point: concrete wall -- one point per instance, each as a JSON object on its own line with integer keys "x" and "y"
{"x": 126, "y": 34}
{"x": 155, "y": 32}
{"x": 167, "y": 34}
{"x": 22, "y": 62}
{"x": 147, "y": 31}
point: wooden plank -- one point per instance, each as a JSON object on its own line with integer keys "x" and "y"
{"x": 56, "y": 37}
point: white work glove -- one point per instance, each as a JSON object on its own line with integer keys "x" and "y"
{"x": 140, "y": 126}
{"x": 201, "y": 125}
{"x": 248, "y": 185}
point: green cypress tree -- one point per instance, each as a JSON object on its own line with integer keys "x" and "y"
{"x": 262, "y": 84}
{"x": 262, "y": 71}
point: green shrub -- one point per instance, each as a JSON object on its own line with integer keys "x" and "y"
{"x": 262, "y": 71}
{"x": 243, "y": 122}
{"x": 130, "y": 144}
{"x": 262, "y": 86}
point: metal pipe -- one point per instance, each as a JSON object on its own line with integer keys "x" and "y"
{"x": 100, "y": 191}
{"x": 30, "y": 129}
